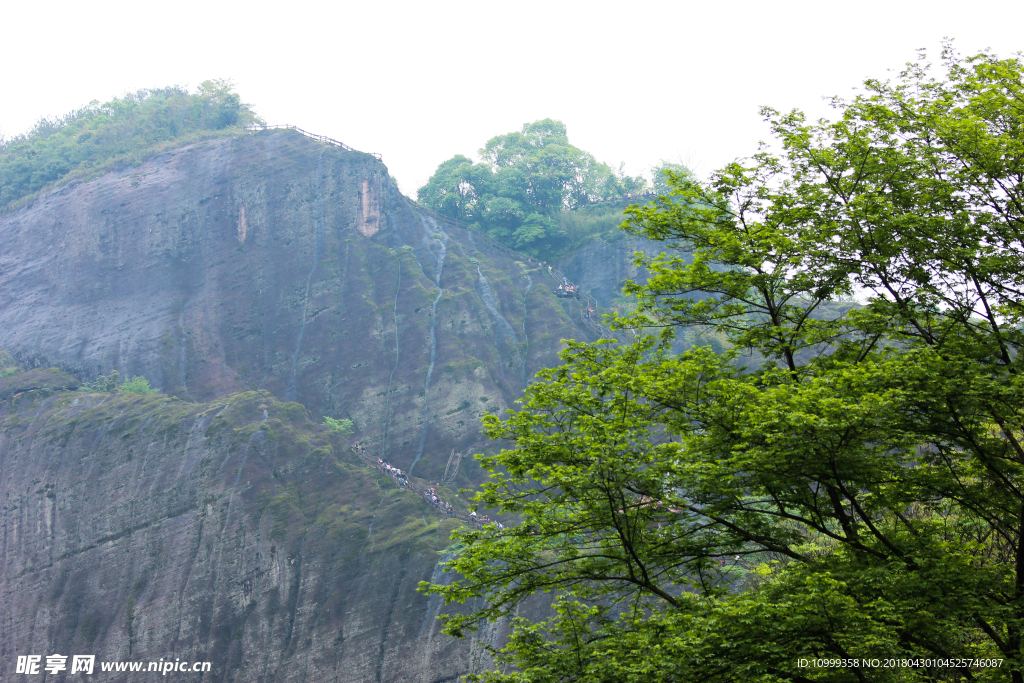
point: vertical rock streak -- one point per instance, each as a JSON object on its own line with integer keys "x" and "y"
{"x": 507, "y": 333}
{"x": 386, "y": 631}
{"x": 343, "y": 282}
{"x": 430, "y": 239}
{"x": 369, "y": 533}
{"x": 289, "y": 393}
{"x": 391, "y": 378}
{"x": 182, "y": 366}
{"x": 435, "y": 602}
{"x": 526, "y": 337}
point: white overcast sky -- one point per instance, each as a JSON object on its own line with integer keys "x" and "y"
{"x": 421, "y": 81}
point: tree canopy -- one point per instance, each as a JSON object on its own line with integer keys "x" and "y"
{"x": 843, "y": 483}
{"x": 124, "y": 129}
{"x": 524, "y": 182}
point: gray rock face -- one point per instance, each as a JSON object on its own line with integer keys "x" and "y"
{"x": 213, "y": 522}
{"x": 237, "y": 532}
{"x": 601, "y": 268}
{"x": 274, "y": 262}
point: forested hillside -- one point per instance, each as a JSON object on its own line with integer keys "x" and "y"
{"x": 124, "y": 130}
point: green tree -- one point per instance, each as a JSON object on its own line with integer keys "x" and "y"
{"x": 8, "y": 365}
{"x": 110, "y": 382}
{"x": 456, "y": 188}
{"x": 661, "y": 178}
{"x": 137, "y": 385}
{"x": 222, "y": 107}
{"x": 342, "y": 426}
{"x": 526, "y": 180}
{"x": 618, "y": 184}
{"x": 841, "y": 482}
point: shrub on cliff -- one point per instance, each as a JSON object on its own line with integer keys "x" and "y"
{"x": 342, "y": 427}
{"x": 8, "y": 366}
{"x": 112, "y": 382}
{"x": 122, "y": 130}
{"x": 104, "y": 382}
{"x": 137, "y": 385}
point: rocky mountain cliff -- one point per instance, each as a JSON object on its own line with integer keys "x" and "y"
{"x": 274, "y": 262}
{"x": 600, "y": 268}
{"x": 139, "y": 527}
{"x": 260, "y": 282}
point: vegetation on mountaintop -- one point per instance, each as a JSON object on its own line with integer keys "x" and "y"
{"x": 122, "y": 131}
{"x": 534, "y": 191}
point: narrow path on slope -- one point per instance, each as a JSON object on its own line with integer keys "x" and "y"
{"x": 417, "y": 486}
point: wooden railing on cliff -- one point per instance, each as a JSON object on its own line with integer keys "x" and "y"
{"x": 312, "y": 136}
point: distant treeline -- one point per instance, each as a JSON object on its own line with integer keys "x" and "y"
{"x": 124, "y": 130}
{"x": 535, "y": 192}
